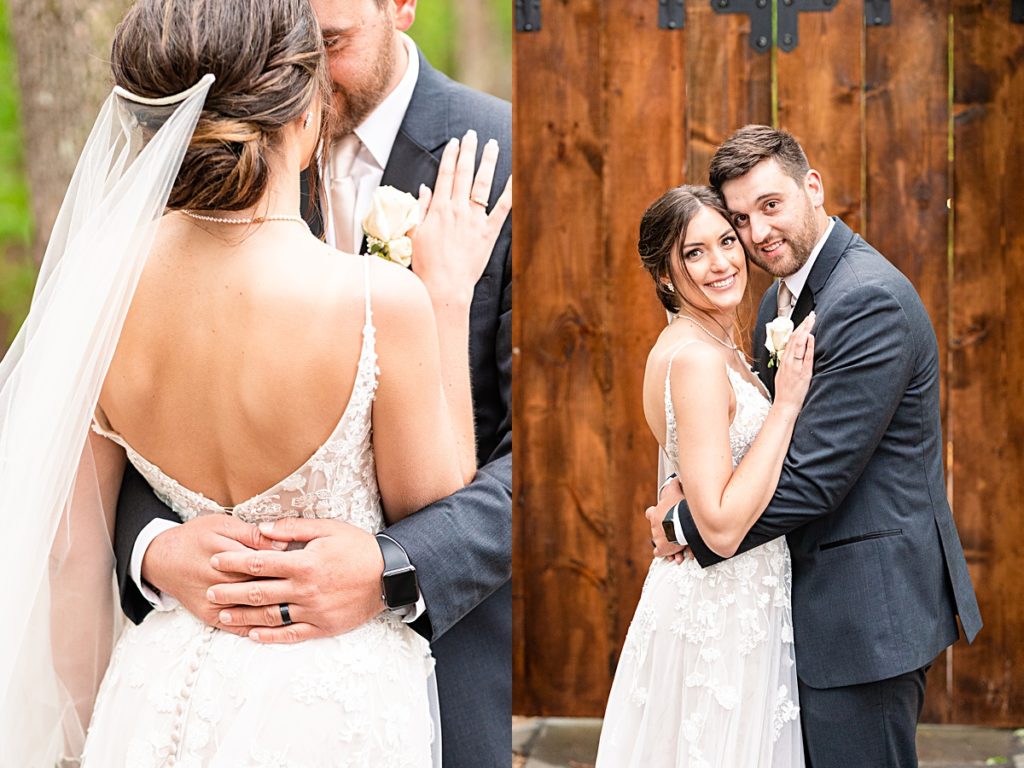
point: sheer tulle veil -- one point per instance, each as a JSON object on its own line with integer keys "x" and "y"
{"x": 58, "y": 485}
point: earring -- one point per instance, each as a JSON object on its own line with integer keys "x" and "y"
{"x": 669, "y": 287}
{"x": 308, "y": 121}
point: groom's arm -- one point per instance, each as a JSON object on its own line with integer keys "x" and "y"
{"x": 137, "y": 508}
{"x": 867, "y": 356}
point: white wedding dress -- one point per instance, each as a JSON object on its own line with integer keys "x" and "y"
{"x": 180, "y": 693}
{"x": 707, "y": 676}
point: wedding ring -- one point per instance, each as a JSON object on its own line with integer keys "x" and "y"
{"x": 286, "y": 615}
{"x": 478, "y": 201}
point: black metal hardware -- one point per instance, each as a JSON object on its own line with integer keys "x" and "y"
{"x": 1017, "y": 12}
{"x": 527, "y": 15}
{"x": 671, "y": 14}
{"x": 789, "y": 13}
{"x": 877, "y": 13}
{"x": 760, "y": 12}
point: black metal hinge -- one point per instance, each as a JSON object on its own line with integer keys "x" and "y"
{"x": 789, "y": 19}
{"x": 877, "y": 13}
{"x": 760, "y": 12}
{"x": 527, "y": 15}
{"x": 671, "y": 14}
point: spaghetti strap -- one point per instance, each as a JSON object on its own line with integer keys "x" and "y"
{"x": 676, "y": 351}
{"x": 366, "y": 289}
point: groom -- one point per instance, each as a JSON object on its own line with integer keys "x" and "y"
{"x": 396, "y": 113}
{"x": 879, "y": 575}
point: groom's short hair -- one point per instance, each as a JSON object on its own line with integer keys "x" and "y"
{"x": 749, "y": 146}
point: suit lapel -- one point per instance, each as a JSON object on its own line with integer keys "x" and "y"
{"x": 828, "y": 257}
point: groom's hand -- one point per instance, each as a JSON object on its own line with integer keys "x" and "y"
{"x": 330, "y": 586}
{"x": 671, "y": 495}
{"x": 177, "y": 562}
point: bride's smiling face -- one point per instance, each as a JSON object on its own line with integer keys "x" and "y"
{"x": 709, "y": 270}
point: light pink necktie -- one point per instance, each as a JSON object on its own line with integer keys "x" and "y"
{"x": 785, "y": 300}
{"x": 343, "y": 193}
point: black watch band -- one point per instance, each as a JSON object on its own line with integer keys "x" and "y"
{"x": 669, "y": 524}
{"x": 398, "y": 585}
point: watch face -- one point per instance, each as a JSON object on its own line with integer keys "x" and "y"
{"x": 401, "y": 588}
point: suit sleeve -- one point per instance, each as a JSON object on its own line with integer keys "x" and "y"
{"x": 864, "y": 362}
{"x": 137, "y": 506}
{"x": 462, "y": 545}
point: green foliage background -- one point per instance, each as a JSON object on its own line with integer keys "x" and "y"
{"x": 434, "y": 31}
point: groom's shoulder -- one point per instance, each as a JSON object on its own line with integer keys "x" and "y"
{"x": 864, "y": 271}
{"x": 488, "y": 115}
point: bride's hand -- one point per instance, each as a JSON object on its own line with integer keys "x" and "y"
{"x": 795, "y": 368}
{"x": 453, "y": 243}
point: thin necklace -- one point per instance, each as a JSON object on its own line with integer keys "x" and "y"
{"x": 725, "y": 344}
{"x": 249, "y": 220}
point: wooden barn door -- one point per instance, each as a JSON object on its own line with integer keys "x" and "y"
{"x": 918, "y": 129}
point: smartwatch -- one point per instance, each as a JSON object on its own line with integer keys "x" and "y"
{"x": 398, "y": 585}
{"x": 669, "y": 524}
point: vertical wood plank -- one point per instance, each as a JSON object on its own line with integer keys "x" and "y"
{"x": 819, "y": 102}
{"x": 906, "y": 127}
{"x": 728, "y": 86}
{"x": 645, "y": 109}
{"x": 560, "y": 546}
{"x": 986, "y": 365}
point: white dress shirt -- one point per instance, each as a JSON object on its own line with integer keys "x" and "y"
{"x": 377, "y": 135}
{"x": 795, "y": 283}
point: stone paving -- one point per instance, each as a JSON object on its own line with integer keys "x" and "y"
{"x": 555, "y": 742}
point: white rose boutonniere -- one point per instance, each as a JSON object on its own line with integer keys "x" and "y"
{"x": 777, "y": 334}
{"x": 393, "y": 215}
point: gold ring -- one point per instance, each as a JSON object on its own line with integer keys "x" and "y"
{"x": 477, "y": 201}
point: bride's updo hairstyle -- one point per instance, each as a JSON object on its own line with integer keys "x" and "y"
{"x": 662, "y": 230}
{"x": 269, "y": 61}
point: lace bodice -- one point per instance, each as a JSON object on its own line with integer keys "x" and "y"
{"x": 752, "y": 406}
{"x": 338, "y": 481}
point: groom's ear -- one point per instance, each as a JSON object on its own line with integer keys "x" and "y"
{"x": 404, "y": 13}
{"x": 815, "y": 188}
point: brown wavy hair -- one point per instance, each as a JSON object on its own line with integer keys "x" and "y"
{"x": 663, "y": 227}
{"x": 269, "y": 60}
{"x": 749, "y": 146}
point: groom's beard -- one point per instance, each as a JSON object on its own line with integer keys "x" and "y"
{"x": 799, "y": 242}
{"x": 354, "y": 102}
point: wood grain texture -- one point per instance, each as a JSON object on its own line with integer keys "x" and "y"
{"x": 986, "y": 375}
{"x": 561, "y": 543}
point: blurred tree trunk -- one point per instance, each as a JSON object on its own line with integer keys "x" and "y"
{"x": 63, "y": 58}
{"x": 482, "y": 52}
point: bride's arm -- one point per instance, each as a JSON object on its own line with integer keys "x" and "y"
{"x": 415, "y": 439}
{"x": 726, "y": 503}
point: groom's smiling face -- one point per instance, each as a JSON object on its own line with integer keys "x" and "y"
{"x": 778, "y": 218}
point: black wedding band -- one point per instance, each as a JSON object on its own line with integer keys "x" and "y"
{"x": 286, "y": 615}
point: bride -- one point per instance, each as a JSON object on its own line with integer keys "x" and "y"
{"x": 186, "y": 320}
{"x": 707, "y": 675}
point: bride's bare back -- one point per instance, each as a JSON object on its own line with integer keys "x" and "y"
{"x": 237, "y": 358}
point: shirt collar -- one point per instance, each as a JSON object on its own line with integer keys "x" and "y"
{"x": 798, "y": 279}
{"x": 380, "y": 128}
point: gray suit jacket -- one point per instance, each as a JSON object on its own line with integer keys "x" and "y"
{"x": 462, "y": 545}
{"x": 879, "y": 574}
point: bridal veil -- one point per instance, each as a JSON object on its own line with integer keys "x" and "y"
{"x": 57, "y": 490}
